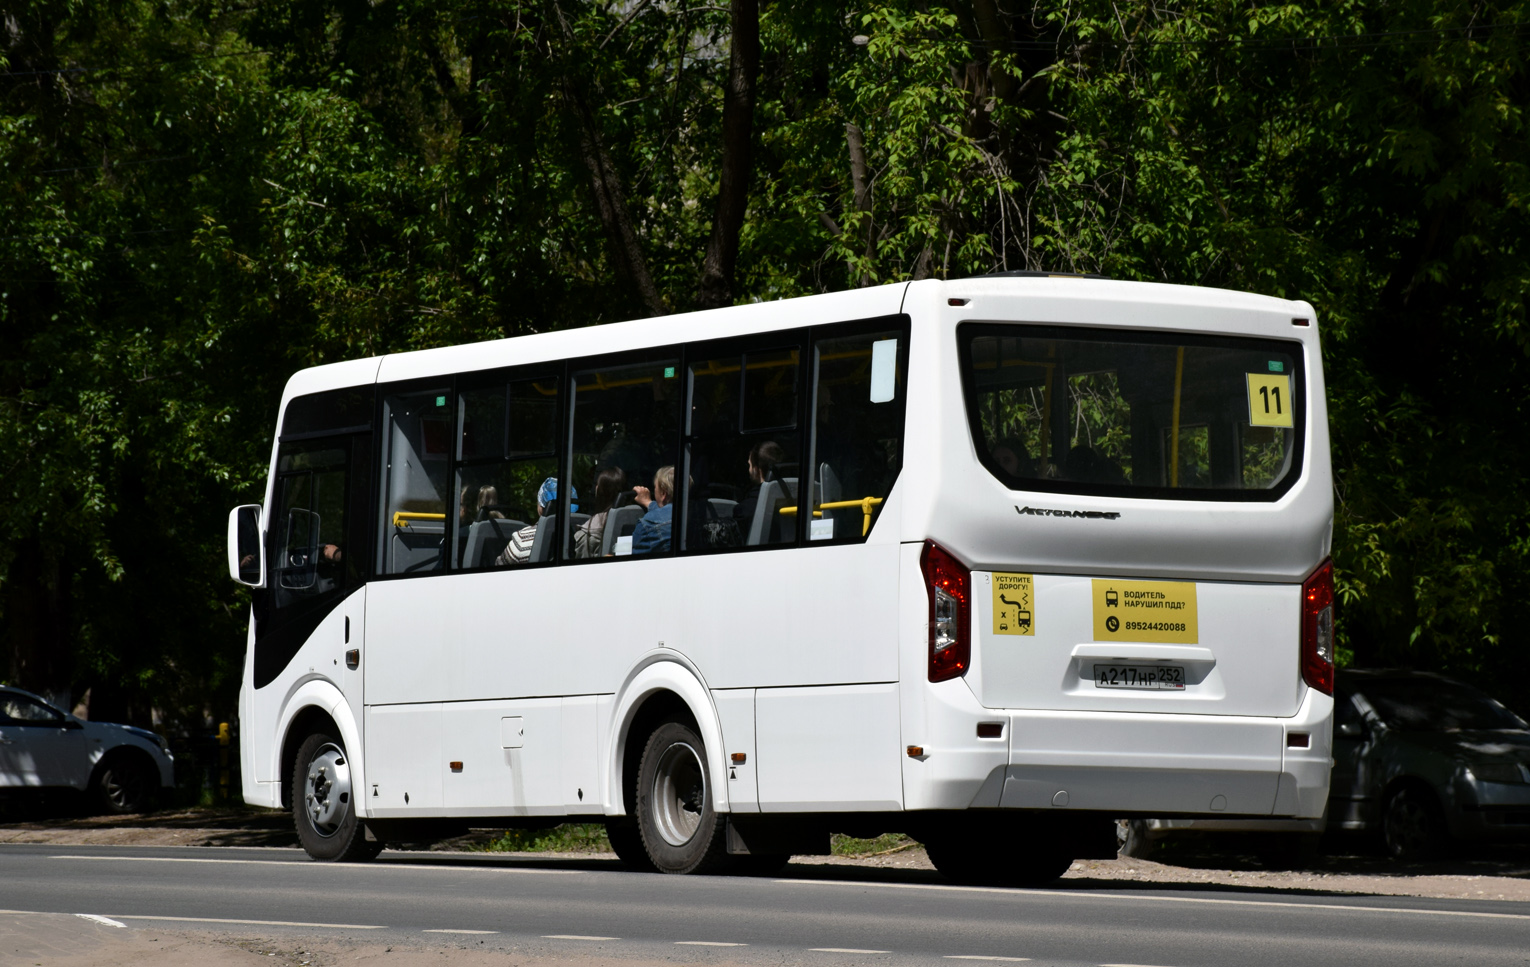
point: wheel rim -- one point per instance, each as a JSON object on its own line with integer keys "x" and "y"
{"x": 1407, "y": 827}
{"x": 327, "y": 791}
{"x": 123, "y": 787}
{"x": 679, "y": 793}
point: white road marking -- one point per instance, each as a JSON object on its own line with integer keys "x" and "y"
{"x": 1014, "y": 960}
{"x": 475, "y": 932}
{"x": 108, "y": 921}
{"x": 1080, "y": 895}
{"x": 573, "y": 936}
{"x": 369, "y": 867}
{"x": 847, "y": 950}
{"x": 257, "y": 923}
{"x": 1129, "y": 965}
{"x": 707, "y": 943}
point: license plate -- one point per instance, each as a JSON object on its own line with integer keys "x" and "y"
{"x": 1139, "y": 676}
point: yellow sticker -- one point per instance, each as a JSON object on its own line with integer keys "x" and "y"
{"x": 1014, "y": 609}
{"x": 1269, "y": 399}
{"x": 1161, "y": 611}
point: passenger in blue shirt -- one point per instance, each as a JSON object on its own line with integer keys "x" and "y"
{"x": 652, "y": 533}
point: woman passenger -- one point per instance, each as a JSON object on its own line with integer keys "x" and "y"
{"x": 588, "y": 536}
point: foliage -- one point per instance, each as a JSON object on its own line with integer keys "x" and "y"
{"x": 200, "y": 198}
{"x": 568, "y": 838}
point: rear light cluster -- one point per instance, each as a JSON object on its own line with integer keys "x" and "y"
{"x": 949, "y": 583}
{"x": 1317, "y": 629}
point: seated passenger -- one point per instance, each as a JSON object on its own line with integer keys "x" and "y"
{"x": 488, "y": 497}
{"x": 1013, "y": 459}
{"x": 1087, "y": 465}
{"x": 588, "y": 536}
{"x": 518, "y": 551}
{"x": 652, "y": 533}
{"x": 762, "y": 462}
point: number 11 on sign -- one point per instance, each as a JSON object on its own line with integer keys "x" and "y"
{"x": 1269, "y": 399}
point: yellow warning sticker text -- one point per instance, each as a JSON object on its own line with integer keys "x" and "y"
{"x": 1269, "y": 399}
{"x": 1145, "y": 611}
{"x": 1014, "y": 604}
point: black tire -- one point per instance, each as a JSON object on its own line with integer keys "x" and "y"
{"x": 323, "y": 807}
{"x": 627, "y": 844}
{"x": 1412, "y": 826}
{"x": 126, "y": 783}
{"x": 1132, "y": 839}
{"x": 681, "y": 831}
{"x": 967, "y": 861}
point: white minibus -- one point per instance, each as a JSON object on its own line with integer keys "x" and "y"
{"x": 993, "y": 562}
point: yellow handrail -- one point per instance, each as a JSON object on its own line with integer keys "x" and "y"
{"x": 401, "y": 518}
{"x": 865, "y": 504}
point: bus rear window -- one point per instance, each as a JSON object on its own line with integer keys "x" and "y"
{"x": 1135, "y": 414}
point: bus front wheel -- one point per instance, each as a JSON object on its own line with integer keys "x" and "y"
{"x": 681, "y": 831}
{"x": 323, "y": 804}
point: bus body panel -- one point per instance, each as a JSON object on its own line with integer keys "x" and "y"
{"x": 735, "y": 713}
{"x": 1244, "y": 661}
{"x": 642, "y": 333}
{"x": 958, "y": 503}
{"x": 831, "y": 748}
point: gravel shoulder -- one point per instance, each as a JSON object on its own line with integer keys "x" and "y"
{"x": 1498, "y": 874}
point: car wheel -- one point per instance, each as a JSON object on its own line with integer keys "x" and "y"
{"x": 125, "y": 784}
{"x": 1132, "y": 838}
{"x": 1412, "y": 826}
{"x": 681, "y": 831}
{"x": 323, "y": 807}
{"x": 965, "y": 860}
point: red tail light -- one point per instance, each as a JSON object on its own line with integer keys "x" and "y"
{"x": 949, "y": 583}
{"x": 1317, "y": 629}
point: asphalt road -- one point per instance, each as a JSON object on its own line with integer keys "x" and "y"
{"x": 816, "y": 916}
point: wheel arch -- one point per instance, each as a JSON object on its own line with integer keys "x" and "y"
{"x": 665, "y": 686}
{"x": 316, "y": 705}
{"x": 127, "y": 751}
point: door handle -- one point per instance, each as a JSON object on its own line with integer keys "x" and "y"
{"x": 353, "y": 658}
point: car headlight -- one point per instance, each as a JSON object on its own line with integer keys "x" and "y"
{"x": 1497, "y": 771}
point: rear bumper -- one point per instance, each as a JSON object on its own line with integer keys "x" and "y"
{"x": 1145, "y": 764}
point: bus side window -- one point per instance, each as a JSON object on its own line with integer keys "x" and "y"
{"x": 412, "y": 530}
{"x": 857, "y": 448}
{"x": 743, "y": 450}
{"x": 626, "y": 422}
{"x": 506, "y": 451}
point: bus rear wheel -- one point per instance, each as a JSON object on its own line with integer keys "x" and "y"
{"x": 323, "y": 805}
{"x": 681, "y": 831}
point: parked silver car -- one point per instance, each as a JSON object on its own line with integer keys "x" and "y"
{"x": 1423, "y": 759}
{"x": 44, "y": 748}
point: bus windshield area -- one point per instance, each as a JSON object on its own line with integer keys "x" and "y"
{"x": 1141, "y": 414}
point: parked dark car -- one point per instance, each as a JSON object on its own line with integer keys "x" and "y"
{"x": 45, "y": 749}
{"x": 1419, "y": 759}
{"x": 1423, "y": 759}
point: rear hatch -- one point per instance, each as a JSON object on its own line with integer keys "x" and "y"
{"x": 1137, "y": 487}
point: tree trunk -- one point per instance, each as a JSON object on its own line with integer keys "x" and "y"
{"x": 36, "y": 623}
{"x": 717, "y": 269}
{"x": 605, "y": 180}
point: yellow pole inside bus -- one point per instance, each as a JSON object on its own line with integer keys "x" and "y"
{"x": 1179, "y": 377}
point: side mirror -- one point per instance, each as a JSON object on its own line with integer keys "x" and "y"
{"x": 1351, "y": 730}
{"x": 246, "y": 554}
